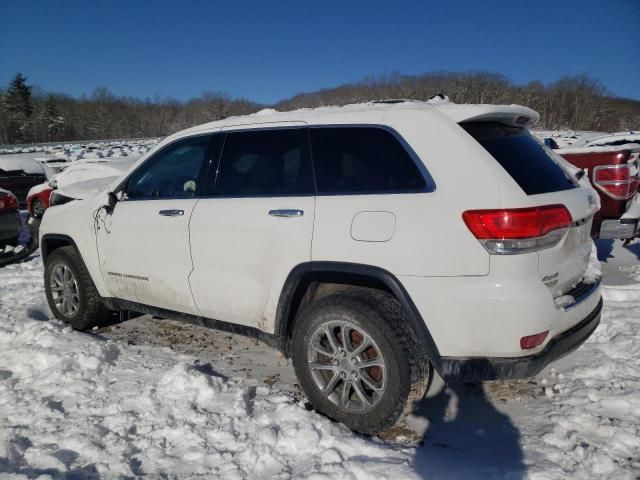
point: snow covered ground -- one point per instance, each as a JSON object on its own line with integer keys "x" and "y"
{"x": 72, "y": 402}
{"x": 156, "y": 398}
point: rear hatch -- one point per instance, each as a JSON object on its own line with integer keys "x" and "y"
{"x": 561, "y": 266}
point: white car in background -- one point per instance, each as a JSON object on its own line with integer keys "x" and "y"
{"x": 372, "y": 244}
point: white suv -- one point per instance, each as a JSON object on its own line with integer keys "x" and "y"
{"x": 371, "y": 243}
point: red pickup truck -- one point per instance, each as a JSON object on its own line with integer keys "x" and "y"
{"x": 614, "y": 172}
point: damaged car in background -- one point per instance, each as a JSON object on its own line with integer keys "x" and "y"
{"x": 612, "y": 164}
{"x": 10, "y": 224}
{"x": 18, "y": 175}
{"x": 75, "y": 181}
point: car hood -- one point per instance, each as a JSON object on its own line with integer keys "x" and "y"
{"x": 84, "y": 171}
{"x": 87, "y": 188}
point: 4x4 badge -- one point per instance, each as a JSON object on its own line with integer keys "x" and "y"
{"x": 591, "y": 199}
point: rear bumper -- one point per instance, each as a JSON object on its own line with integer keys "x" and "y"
{"x": 625, "y": 227}
{"x": 9, "y": 226}
{"x": 479, "y": 369}
{"x": 622, "y": 229}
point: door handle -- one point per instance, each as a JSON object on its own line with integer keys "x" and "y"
{"x": 171, "y": 213}
{"x": 287, "y": 212}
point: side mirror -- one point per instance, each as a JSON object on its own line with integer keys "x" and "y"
{"x": 112, "y": 199}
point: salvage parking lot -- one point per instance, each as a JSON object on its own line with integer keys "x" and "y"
{"x": 154, "y": 396}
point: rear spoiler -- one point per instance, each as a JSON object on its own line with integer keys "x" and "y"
{"x": 515, "y": 115}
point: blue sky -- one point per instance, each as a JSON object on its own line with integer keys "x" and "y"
{"x": 270, "y": 50}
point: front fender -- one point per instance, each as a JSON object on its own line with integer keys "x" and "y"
{"x": 74, "y": 224}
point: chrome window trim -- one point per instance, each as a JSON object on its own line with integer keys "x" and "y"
{"x": 430, "y": 185}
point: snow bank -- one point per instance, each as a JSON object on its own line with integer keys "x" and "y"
{"x": 78, "y": 406}
{"x": 594, "y": 425}
{"x": 73, "y": 403}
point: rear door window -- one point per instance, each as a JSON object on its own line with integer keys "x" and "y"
{"x": 362, "y": 160}
{"x": 265, "y": 163}
{"x": 521, "y": 156}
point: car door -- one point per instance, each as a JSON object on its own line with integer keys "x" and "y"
{"x": 144, "y": 243}
{"x": 255, "y": 228}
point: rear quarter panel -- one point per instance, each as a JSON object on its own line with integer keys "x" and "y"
{"x": 430, "y": 237}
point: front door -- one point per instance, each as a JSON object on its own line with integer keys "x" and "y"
{"x": 144, "y": 243}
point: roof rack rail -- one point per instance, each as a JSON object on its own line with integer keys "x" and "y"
{"x": 392, "y": 101}
{"x": 438, "y": 98}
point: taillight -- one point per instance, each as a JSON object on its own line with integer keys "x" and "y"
{"x": 518, "y": 230}
{"x": 618, "y": 181}
{"x": 8, "y": 200}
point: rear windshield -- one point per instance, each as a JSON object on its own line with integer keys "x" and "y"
{"x": 521, "y": 156}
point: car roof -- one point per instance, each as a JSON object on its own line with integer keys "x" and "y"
{"x": 372, "y": 113}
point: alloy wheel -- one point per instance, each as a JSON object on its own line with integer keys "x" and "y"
{"x": 64, "y": 290}
{"x": 347, "y": 366}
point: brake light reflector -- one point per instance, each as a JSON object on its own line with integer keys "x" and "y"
{"x": 618, "y": 181}
{"x": 518, "y": 230}
{"x": 8, "y": 200}
{"x": 532, "y": 341}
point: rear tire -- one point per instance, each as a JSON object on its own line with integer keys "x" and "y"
{"x": 71, "y": 294}
{"x": 368, "y": 391}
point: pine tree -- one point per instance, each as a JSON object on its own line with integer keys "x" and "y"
{"x": 53, "y": 121}
{"x": 19, "y": 109}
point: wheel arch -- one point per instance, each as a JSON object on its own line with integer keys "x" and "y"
{"x": 52, "y": 241}
{"x": 299, "y": 280}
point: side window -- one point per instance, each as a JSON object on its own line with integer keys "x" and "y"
{"x": 173, "y": 172}
{"x": 265, "y": 162}
{"x": 361, "y": 160}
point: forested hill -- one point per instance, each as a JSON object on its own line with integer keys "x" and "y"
{"x": 29, "y": 114}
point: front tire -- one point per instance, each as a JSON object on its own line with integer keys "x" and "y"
{"x": 71, "y": 294}
{"x": 357, "y": 360}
